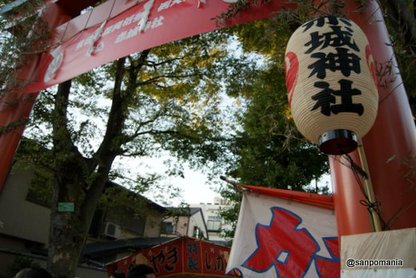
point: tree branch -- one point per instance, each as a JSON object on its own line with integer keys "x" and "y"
{"x": 108, "y": 149}
{"x": 155, "y": 78}
{"x": 13, "y": 125}
{"x": 112, "y": 141}
{"x": 155, "y": 64}
{"x": 61, "y": 135}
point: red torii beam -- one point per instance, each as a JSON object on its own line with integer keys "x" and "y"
{"x": 390, "y": 146}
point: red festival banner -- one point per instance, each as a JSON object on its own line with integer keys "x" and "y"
{"x": 180, "y": 257}
{"x": 81, "y": 46}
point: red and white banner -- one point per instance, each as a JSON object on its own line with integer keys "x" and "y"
{"x": 281, "y": 233}
{"x": 180, "y": 257}
{"x": 81, "y": 46}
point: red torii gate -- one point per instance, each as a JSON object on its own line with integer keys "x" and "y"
{"x": 78, "y": 47}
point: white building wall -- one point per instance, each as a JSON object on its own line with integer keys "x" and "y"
{"x": 18, "y": 217}
{"x": 210, "y": 211}
{"x": 152, "y": 226}
{"x": 197, "y": 220}
{"x": 182, "y": 226}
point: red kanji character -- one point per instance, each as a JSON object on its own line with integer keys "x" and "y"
{"x": 329, "y": 267}
{"x": 282, "y": 245}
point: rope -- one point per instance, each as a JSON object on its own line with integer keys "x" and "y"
{"x": 371, "y": 206}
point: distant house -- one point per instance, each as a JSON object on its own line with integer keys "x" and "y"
{"x": 24, "y": 226}
{"x": 185, "y": 222}
{"x": 140, "y": 218}
{"x": 215, "y": 223}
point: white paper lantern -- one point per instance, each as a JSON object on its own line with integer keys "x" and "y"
{"x": 330, "y": 79}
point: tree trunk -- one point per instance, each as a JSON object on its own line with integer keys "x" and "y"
{"x": 67, "y": 230}
{"x": 67, "y": 238}
{"x": 79, "y": 181}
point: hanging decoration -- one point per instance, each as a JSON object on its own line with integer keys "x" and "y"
{"x": 331, "y": 83}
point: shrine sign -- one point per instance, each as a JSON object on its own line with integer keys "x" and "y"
{"x": 108, "y": 32}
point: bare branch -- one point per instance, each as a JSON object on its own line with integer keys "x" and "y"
{"x": 168, "y": 61}
{"x": 173, "y": 76}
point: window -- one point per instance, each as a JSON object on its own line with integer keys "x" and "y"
{"x": 167, "y": 228}
{"x": 214, "y": 223}
{"x": 198, "y": 233}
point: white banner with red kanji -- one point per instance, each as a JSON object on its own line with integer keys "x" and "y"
{"x": 283, "y": 237}
{"x": 118, "y": 28}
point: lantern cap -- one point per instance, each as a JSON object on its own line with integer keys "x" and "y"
{"x": 337, "y": 142}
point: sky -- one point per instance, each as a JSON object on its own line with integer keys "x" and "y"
{"x": 194, "y": 185}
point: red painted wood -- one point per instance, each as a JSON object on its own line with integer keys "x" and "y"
{"x": 390, "y": 146}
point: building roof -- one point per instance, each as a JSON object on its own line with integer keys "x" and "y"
{"x": 138, "y": 196}
{"x": 195, "y": 210}
{"x": 184, "y": 211}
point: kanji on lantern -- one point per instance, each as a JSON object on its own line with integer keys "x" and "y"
{"x": 326, "y": 98}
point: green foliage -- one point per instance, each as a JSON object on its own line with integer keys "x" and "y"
{"x": 171, "y": 104}
{"x": 124, "y": 203}
{"x": 230, "y": 215}
{"x": 28, "y": 158}
{"x": 269, "y": 150}
{"x": 401, "y": 24}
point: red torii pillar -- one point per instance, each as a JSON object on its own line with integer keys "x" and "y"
{"x": 390, "y": 146}
{"x": 15, "y": 104}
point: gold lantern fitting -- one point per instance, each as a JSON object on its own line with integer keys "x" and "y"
{"x": 337, "y": 142}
